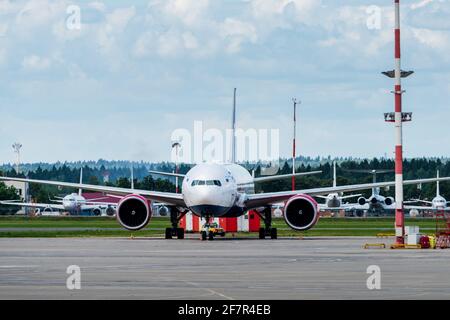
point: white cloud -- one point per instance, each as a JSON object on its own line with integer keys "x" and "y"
{"x": 35, "y": 63}
{"x": 432, "y": 38}
{"x": 236, "y": 32}
{"x": 190, "y": 41}
{"x": 190, "y": 12}
{"x": 100, "y": 6}
{"x": 40, "y": 12}
{"x": 115, "y": 23}
{"x": 420, "y": 4}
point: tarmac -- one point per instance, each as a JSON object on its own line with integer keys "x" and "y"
{"x": 149, "y": 268}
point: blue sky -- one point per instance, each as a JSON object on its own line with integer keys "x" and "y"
{"x": 137, "y": 70}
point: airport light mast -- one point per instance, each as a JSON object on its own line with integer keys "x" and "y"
{"x": 294, "y": 100}
{"x": 17, "y": 146}
{"x": 398, "y": 117}
{"x": 177, "y": 146}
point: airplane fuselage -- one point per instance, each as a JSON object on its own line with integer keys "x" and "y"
{"x": 217, "y": 190}
{"x": 439, "y": 203}
{"x": 333, "y": 200}
{"x": 73, "y": 202}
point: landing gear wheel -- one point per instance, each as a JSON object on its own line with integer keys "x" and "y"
{"x": 168, "y": 233}
{"x": 180, "y": 233}
{"x": 211, "y": 236}
{"x": 203, "y": 233}
{"x": 262, "y": 233}
{"x": 273, "y": 233}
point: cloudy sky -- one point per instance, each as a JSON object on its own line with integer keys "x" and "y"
{"x": 117, "y": 87}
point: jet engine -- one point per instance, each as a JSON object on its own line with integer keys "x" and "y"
{"x": 110, "y": 211}
{"x": 97, "y": 212}
{"x": 362, "y": 201}
{"x": 301, "y": 212}
{"x": 389, "y": 200}
{"x": 163, "y": 211}
{"x": 133, "y": 212}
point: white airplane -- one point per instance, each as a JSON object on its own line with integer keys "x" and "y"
{"x": 334, "y": 201}
{"x": 73, "y": 203}
{"x": 376, "y": 201}
{"x": 219, "y": 190}
{"x": 438, "y": 203}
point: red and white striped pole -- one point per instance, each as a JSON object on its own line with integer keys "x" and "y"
{"x": 399, "y": 217}
{"x": 293, "y": 144}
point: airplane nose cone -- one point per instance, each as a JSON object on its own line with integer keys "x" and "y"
{"x": 209, "y": 201}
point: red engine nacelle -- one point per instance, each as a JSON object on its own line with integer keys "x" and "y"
{"x": 133, "y": 212}
{"x": 301, "y": 212}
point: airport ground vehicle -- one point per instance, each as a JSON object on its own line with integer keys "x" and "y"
{"x": 211, "y": 230}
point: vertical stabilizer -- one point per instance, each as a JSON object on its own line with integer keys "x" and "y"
{"x": 375, "y": 191}
{"x": 80, "y": 191}
{"x": 334, "y": 174}
{"x": 437, "y": 185}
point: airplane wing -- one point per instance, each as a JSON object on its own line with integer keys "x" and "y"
{"x": 262, "y": 199}
{"x": 408, "y": 207}
{"x": 166, "y": 197}
{"x": 423, "y": 201}
{"x": 344, "y": 206}
{"x": 283, "y": 176}
{"x": 351, "y": 196}
{"x": 96, "y": 204}
{"x": 170, "y": 174}
{"x": 33, "y": 205}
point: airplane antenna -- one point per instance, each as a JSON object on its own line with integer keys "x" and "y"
{"x": 80, "y": 191}
{"x": 233, "y": 127}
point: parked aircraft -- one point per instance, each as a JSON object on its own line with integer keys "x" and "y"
{"x": 73, "y": 203}
{"x": 335, "y": 201}
{"x": 438, "y": 203}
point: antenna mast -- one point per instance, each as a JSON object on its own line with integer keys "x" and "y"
{"x": 17, "y": 146}
{"x": 233, "y": 127}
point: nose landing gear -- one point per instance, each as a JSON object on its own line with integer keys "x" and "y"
{"x": 207, "y": 233}
{"x": 175, "y": 217}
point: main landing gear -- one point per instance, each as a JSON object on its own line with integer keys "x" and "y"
{"x": 175, "y": 217}
{"x": 267, "y": 231}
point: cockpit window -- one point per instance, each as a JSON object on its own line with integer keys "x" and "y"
{"x": 206, "y": 182}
